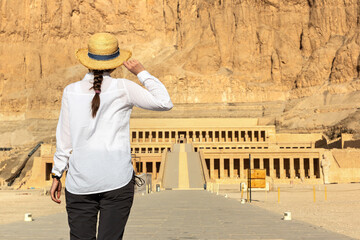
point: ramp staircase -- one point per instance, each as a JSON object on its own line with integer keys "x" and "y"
{"x": 183, "y": 169}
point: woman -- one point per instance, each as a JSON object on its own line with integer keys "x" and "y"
{"x": 92, "y": 139}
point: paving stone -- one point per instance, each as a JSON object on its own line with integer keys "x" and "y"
{"x": 176, "y": 215}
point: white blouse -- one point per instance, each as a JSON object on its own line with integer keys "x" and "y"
{"x": 96, "y": 151}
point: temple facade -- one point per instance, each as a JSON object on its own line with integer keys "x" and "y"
{"x": 226, "y": 145}
{"x": 219, "y": 150}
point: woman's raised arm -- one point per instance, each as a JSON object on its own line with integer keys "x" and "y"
{"x": 154, "y": 97}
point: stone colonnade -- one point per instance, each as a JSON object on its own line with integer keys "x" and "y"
{"x": 204, "y": 135}
{"x": 147, "y": 166}
{"x": 225, "y": 151}
{"x": 284, "y": 167}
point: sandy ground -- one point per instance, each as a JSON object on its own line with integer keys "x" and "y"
{"x": 15, "y": 203}
{"x": 339, "y": 213}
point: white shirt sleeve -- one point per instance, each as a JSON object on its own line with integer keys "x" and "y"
{"x": 154, "y": 97}
{"x": 63, "y": 139}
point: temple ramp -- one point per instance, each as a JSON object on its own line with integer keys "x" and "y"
{"x": 183, "y": 169}
{"x": 196, "y": 178}
{"x": 171, "y": 171}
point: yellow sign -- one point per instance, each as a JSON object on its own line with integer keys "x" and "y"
{"x": 258, "y": 183}
{"x": 258, "y": 173}
{"x": 258, "y": 178}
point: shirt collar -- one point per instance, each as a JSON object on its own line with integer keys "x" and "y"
{"x": 89, "y": 77}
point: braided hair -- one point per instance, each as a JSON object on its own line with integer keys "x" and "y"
{"x": 98, "y": 78}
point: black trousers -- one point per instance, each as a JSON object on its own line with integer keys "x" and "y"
{"x": 114, "y": 207}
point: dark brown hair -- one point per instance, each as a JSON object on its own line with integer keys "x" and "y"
{"x": 98, "y": 78}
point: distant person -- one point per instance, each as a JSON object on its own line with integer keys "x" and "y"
{"x": 93, "y": 142}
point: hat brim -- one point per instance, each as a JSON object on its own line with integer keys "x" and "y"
{"x": 82, "y": 56}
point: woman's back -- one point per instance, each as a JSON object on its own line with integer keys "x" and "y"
{"x": 101, "y": 157}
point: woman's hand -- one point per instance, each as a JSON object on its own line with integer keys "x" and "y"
{"x": 134, "y": 66}
{"x": 55, "y": 190}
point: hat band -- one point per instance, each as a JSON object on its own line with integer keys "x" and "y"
{"x": 104, "y": 57}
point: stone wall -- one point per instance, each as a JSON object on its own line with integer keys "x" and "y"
{"x": 344, "y": 166}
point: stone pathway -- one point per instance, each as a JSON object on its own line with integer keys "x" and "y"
{"x": 191, "y": 214}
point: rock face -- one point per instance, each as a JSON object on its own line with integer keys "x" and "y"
{"x": 305, "y": 54}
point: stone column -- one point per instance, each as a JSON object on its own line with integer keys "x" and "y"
{"x": 233, "y": 137}
{"x": 150, "y": 136}
{"x": 252, "y": 162}
{"x": 213, "y": 136}
{"x": 134, "y": 163}
{"x": 265, "y": 137}
{"x": 281, "y": 166}
{"x": 261, "y": 163}
{"x": 231, "y": 167}
{"x": 187, "y": 136}
{"x": 271, "y": 167}
{"x": 246, "y": 136}
{"x": 176, "y": 136}
{"x": 212, "y": 168}
{"x": 136, "y": 136}
{"x": 302, "y": 168}
{"x": 311, "y": 167}
{"x": 144, "y": 167}
{"x": 292, "y": 169}
{"x": 169, "y": 136}
{"x": 259, "y": 136}
{"x": 222, "y": 175}
{"x": 154, "y": 170}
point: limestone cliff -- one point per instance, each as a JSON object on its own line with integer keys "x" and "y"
{"x": 293, "y": 62}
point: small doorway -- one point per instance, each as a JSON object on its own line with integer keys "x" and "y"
{"x": 48, "y": 168}
{"x": 182, "y": 138}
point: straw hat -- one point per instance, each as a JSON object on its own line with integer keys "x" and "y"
{"x": 102, "y": 53}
